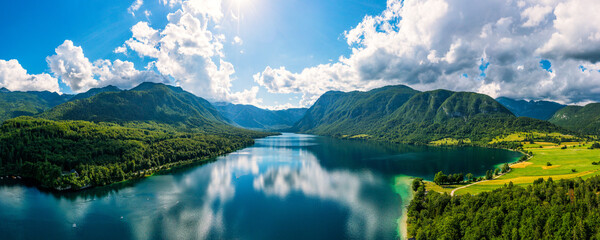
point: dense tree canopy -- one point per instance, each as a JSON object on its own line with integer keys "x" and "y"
{"x": 102, "y": 153}
{"x": 565, "y": 209}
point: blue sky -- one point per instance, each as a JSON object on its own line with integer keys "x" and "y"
{"x": 294, "y": 33}
{"x": 280, "y": 54}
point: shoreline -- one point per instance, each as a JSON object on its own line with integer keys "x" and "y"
{"x": 402, "y": 187}
{"x": 143, "y": 173}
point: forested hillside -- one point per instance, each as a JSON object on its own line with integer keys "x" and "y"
{"x": 336, "y": 112}
{"x": 102, "y": 153}
{"x": 148, "y": 102}
{"x": 14, "y": 104}
{"x": 252, "y": 117}
{"x": 94, "y": 91}
{"x": 401, "y": 114}
{"x": 585, "y": 119}
{"x": 565, "y": 209}
{"x": 542, "y": 110}
{"x": 109, "y": 135}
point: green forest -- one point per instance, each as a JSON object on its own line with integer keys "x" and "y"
{"x": 103, "y": 153}
{"x": 565, "y": 209}
{"x": 400, "y": 114}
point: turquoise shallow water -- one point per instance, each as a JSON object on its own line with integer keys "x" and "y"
{"x": 284, "y": 187}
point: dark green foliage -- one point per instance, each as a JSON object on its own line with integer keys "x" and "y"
{"x": 147, "y": 102}
{"x": 594, "y": 163}
{"x": 542, "y": 110}
{"x": 416, "y": 183}
{"x": 469, "y": 177}
{"x": 440, "y": 178}
{"x": 401, "y": 114}
{"x": 584, "y": 120}
{"x": 548, "y": 164}
{"x": 339, "y": 112}
{"x": 523, "y": 158}
{"x": 15, "y": 104}
{"x": 251, "y": 117}
{"x": 595, "y": 145}
{"x": 505, "y": 168}
{"x": 102, "y": 153}
{"x": 497, "y": 171}
{"x": 489, "y": 174}
{"x": 95, "y": 91}
{"x": 568, "y": 209}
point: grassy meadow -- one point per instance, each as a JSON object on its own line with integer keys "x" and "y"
{"x": 577, "y": 156}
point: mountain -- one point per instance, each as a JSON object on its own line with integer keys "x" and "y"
{"x": 252, "y": 117}
{"x": 94, "y": 91}
{"x": 402, "y": 114}
{"x": 338, "y": 111}
{"x": 148, "y": 102}
{"x": 116, "y": 135}
{"x": 15, "y": 104}
{"x": 542, "y": 110}
{"x": 580, "y": 119}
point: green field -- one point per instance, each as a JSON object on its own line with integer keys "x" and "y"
{"x": 577, "y": 156}
{"x": 450, "y": 142}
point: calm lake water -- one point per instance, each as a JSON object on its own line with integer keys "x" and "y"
{"x": 284, "y": 187}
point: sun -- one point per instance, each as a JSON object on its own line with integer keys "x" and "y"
{"x": 239, "y": 2}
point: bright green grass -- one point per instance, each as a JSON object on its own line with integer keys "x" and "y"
{"x": 441, "y": 189}
{"x": 449, "y": 142}
{"x": 521, "y": 136}
{"x": 358, "y": 136}
{"x": 579, "y": 158}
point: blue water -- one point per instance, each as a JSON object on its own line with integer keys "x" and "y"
{"x": 284, "y": 187}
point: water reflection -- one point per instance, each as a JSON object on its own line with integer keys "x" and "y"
{"x": 284, "y": 187}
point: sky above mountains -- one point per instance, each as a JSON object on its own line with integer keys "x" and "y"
{"x": 281, "y": 54}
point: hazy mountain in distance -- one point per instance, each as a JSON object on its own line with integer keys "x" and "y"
{"x": 252, "y": 117}
{"x": 542, "y": 110}
{"x": 402, "y": 114}
{"x": 584, "y": 119}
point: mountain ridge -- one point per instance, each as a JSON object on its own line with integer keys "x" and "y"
{"x": 252, "y": 117}
{"x": 147, "y": 102}
{"x": 414, "y": 117}
{"x": 583, "y": 119}
{"x": 542, "y": 110}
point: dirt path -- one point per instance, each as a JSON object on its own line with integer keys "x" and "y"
{"x": 452, "y": 193}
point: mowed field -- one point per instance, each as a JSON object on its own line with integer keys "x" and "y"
{"x": 577, "y": 156}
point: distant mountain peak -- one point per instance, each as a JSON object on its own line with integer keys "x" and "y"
{"x": 542, "y": 110}
{"x": 153, "y": 85}
{"x": 95, "y": 91}
{"x": 155, "y": 102}
{"x": 4, "y": 90}
{"x": 252, "y": 117}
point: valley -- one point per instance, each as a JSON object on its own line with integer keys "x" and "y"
{"x": 109, "y": 136}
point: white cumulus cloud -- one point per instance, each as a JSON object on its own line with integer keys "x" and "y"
{"x": 73, "y": 68}
{"x": 492, "y": 46}
{"x": 135, "y": 6}
{"x": 15, "y": 78}
{"x": 188, "y": 50}
{"x": 76, "y": 71}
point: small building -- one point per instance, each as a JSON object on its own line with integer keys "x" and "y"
{"x": 71, "y": 172}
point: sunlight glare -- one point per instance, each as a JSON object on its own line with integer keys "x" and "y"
{"x": 240, "y": 2}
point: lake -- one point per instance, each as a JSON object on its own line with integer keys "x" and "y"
{"x": 284, "y": 187}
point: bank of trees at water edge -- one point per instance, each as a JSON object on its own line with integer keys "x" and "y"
{"x": 565, "y": 209}
{"x": 441, "y": 179}
{"x": 101, "y": 153}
